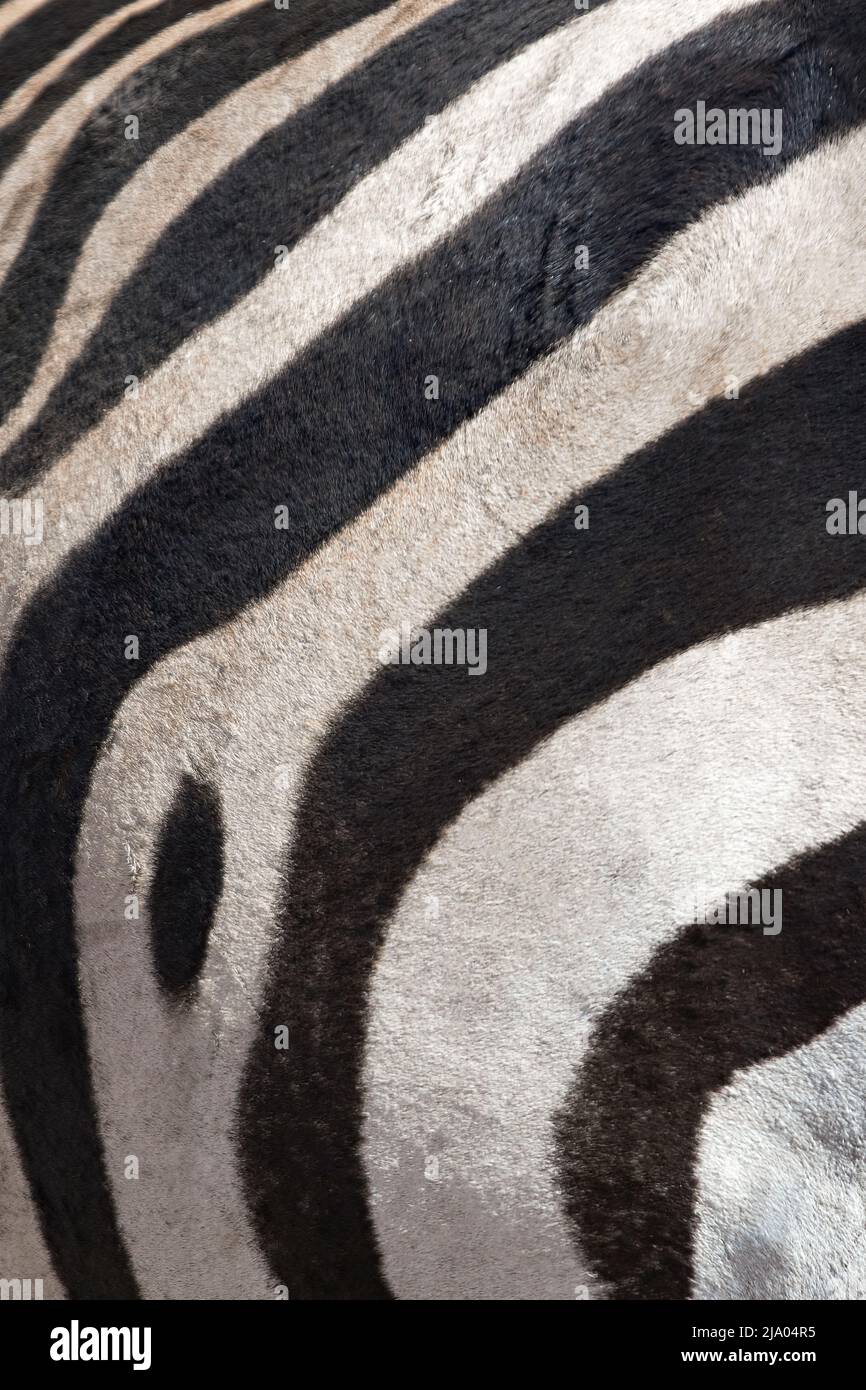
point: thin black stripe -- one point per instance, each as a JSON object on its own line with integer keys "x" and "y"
{"x": 718, "y": 525}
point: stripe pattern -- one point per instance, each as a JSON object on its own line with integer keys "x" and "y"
{"x": 333, "y": 975}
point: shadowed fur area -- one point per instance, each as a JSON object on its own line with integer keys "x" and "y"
{"x": 195, "y": 714}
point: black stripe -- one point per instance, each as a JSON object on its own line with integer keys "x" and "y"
{"x": 129, "y": 35}
{"x": 187, "y": 883}
{"x": 39, "y": 38}
{"x": 284, "y": 187}
{"x": 192, "y": 548}
{"x": 711, "y": 1002}
{"x": 167, "y": 94}
{"x": 718, "y": 525}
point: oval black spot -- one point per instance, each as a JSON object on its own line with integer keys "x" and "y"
{"x": 186, "y": 886}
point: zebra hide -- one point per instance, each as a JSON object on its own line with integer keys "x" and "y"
{"x": 431, "y": 442}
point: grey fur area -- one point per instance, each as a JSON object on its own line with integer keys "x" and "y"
{"x": 372, "y": 967}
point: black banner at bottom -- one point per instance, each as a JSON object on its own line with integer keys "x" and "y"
{"x": 158, "y": 1337}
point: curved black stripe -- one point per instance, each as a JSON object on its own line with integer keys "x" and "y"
{"x": 34, "y": 41}
{"x": 186, "y": 888}
{"x": 720, "y": 524}
{"x": 192, "y": 548}
{"x": 134, "y": 31}
{"x": 166, "y": 94}
{"x": 284, "y": 187}
{"x": 711, "y": 1002}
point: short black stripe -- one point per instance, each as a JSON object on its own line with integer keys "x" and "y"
{"x": 718, "y": 525}
{"x": 715, "y": 1000}
{"x": 193, "y": 547}
{"x": 187, "y": 883}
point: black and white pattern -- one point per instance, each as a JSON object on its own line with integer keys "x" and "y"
{"x": 326, "y": 976}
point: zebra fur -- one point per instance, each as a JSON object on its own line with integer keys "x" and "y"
{"x": 447, "y": 889}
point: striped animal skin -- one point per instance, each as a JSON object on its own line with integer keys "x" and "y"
{"x": 431, "y": 775}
